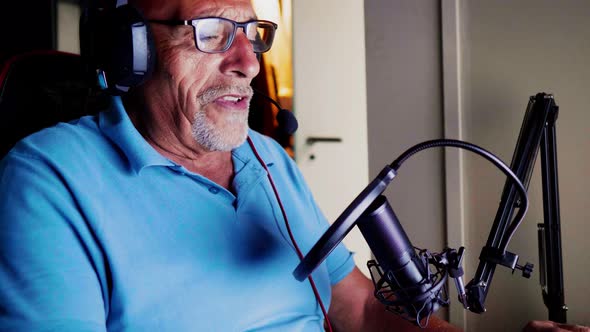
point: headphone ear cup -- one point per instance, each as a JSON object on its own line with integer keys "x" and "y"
{"x": 119, "y": 42}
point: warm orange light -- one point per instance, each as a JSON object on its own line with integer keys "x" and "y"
{"x": 279, "y": 57}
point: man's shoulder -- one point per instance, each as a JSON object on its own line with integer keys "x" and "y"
{"x": 63, "y": 140}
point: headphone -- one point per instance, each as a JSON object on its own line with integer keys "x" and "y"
{"x": 116, "y": 41}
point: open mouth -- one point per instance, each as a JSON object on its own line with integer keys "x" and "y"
{"x": 227, "y": 96}
{"x": 235, "y": 102}
{"x": 232, "y": 99}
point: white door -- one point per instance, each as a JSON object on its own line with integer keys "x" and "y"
{"x": 330, "y": 102}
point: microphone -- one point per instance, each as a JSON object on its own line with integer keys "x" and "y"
{"x": 402, "y": 278}
{"x": 287, "y": 122}
{"x": 410, "y": 281}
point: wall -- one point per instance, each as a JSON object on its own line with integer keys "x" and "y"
{"x": 68, "y": 16}
{"x": 404, "y": 108}
{"x": 511, "y": 50}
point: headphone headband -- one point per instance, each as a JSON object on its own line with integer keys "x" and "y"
{"x": 117, "y": 41}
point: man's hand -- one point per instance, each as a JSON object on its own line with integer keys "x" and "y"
{"x": 549, "y": 326}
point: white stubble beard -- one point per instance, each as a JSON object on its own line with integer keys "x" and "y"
{"x": 232, "y": 129}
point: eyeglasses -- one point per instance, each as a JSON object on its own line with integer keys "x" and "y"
{"x": 216, "y": 34}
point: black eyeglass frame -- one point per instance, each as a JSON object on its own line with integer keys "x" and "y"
{"x": 230, "y": 41}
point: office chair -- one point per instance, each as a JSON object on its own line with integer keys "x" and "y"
{"x": 41, "y": 88}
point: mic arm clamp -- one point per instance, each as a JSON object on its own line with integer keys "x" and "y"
{"x": 477, "y": 290}
{"x": 506, "y": 258}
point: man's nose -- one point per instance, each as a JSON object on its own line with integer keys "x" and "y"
{"x": 240, "y": 58}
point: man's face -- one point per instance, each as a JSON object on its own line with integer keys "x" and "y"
{"x": 210, "y": 91}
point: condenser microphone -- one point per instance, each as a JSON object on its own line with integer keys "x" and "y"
{"x": 287, "y": 122}
{"x": 411, "y": 281}
{"x": 406, "y": 285}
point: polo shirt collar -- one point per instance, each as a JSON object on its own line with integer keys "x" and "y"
{"x": 116, "y": 125}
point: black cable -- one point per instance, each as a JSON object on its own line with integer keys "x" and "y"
{"x": 396, "y": 164}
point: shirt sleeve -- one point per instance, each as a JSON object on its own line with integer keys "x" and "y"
{"x": 48, "y": 262}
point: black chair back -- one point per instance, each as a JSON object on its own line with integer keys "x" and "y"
{"x": 39, "y": 89}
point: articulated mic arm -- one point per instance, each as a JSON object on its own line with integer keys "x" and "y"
{"x": 537, "y": 133}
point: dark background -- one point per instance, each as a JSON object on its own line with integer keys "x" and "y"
{"x": 27, "y": 25}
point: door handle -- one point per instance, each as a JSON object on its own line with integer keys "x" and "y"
{"x": 312, "y": 140}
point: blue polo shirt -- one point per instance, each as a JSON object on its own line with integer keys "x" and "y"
{"x": 100, "y": 232}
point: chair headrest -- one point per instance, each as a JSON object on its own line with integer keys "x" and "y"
{"x": 41, "y": 88}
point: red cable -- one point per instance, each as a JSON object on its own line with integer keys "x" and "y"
{"x": 311, "y": 282}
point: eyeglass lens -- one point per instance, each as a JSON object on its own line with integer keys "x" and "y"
{"x": 216, "y": 35}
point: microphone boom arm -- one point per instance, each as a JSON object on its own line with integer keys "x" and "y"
{"x": 537, "y": 133}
